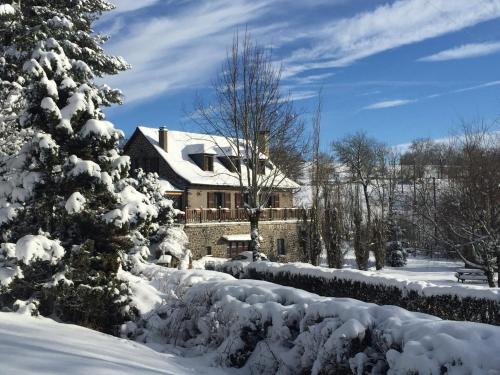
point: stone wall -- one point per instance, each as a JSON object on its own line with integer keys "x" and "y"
{"x": 204, "y": 235}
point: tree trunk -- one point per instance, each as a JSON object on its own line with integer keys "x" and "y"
{"x": 359, "y": 248}
{"x": 368, "y": 208}
{"x": 332, "y": 236}
{"x": 315, "y": 237}
{"x": 378, "y": 245}
{"x": 254, "y": 217}
{"x": 498, "y": 264}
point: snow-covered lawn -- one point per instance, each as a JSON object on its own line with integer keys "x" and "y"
{"x": 418, "y": 268}
{"x": 423, "y": 275}
{"x": 40, "y": 346}
{"x": 439, "y": 272}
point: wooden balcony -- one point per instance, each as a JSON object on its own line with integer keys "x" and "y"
{"x": 212, "y": 215}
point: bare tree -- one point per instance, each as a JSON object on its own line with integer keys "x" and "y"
{"x": 316, "y": 177}
{"x": 467, "y": 218}
{"x": 254, "y": 117}
{"x": 364, "y": 159}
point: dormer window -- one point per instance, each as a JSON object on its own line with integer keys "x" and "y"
{"x": 204, "y": 161}
{"x": 208, "y": 163}
{"x": 232, "y": 163}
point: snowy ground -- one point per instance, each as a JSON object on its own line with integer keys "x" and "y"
{"x": 419, "y": 268}
{"x": 440, "y": 272}
{"x": 216, "y": 320}
{"x": 40, "y": 346}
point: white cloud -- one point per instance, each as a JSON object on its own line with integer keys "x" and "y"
{"x": 465, "y": 51}
{"x": 390, "y": 104}
{"x": 184, "y": 47}
{"x": 312, "y": 78}
{"x": 476, "y": 87}
{"x": 389, "y": 26}
{"x": 400, "y": 102}
{"x": 180, "y": 50}
{"x": 303, "y": 95}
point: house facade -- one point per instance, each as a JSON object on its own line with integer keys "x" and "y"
{"x": 198, "y": 172}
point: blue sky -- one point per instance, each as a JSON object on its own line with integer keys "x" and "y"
{"x": 396, "y": 69}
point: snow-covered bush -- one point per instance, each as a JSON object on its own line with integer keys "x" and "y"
{"x": 447, "y": 302}
{"x": 270, "y": 329}
{"x": 395, "y": 254}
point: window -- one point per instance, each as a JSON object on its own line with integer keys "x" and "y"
{"x": 241, "y": 199}
{"x": 218, "y": 199}
{"x": 231, "y": 163}
{"x": 151, "y": 165}
{"x": 236, "y": 247}
{"x": 176, "y": 201}
{"x": 208, "y": 163}
{"x": 273, "y": 201}
{"x": 280, "y": 246}
{"x": 209, "y": 250}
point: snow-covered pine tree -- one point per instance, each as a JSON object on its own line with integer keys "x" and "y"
{"x": 395, "y": 253}
{"x": 67, "y": 208}
{"x": 11, "y": 85}
{"x": 162, "y": 236}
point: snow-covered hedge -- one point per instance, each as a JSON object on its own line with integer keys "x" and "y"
{"x": 447, "y": 302}
{"x": 266, "y": 328}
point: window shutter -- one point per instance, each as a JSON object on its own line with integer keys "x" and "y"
{"x": 227, "y": 200}
{"x": 237, "y": 200}
{"x": 210, "y": 200}
{"x": 276, "y": 200}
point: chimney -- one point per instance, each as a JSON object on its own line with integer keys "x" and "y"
{"x": 163, "y": 140}
{"x": 264, "y": 142}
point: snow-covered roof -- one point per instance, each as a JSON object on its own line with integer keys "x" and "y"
{"x": 164, "y": 259}
{"x": 181, "y": 145}
{"x": 237, "y": 237}
{"x": 167, "y": 187}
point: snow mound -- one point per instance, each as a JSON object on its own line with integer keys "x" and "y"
{"x": 38, "y": 247}
{"x": 134, "y": 205}
{"x": 39, "y": 346}
{"x": 80, "y": 166}
{"x": 101, "y": 129}
{"x": 270, "y": 329}
{"x": 75, "y": 203}
{"x": 6, "y": 9}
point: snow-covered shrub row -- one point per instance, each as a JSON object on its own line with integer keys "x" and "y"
{"x": 271, "y": 329}
{"x": 448, "y": 302}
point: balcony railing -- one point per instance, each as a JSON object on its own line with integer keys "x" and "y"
{"x": 206, "y": 215}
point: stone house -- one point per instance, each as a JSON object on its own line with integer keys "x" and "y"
{"x": 199, "y": 174}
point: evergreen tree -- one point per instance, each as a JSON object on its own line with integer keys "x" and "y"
{"x": 68, "y": 211}
{"x": 332, "y": 233}
{"x": 395, "y": 253}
